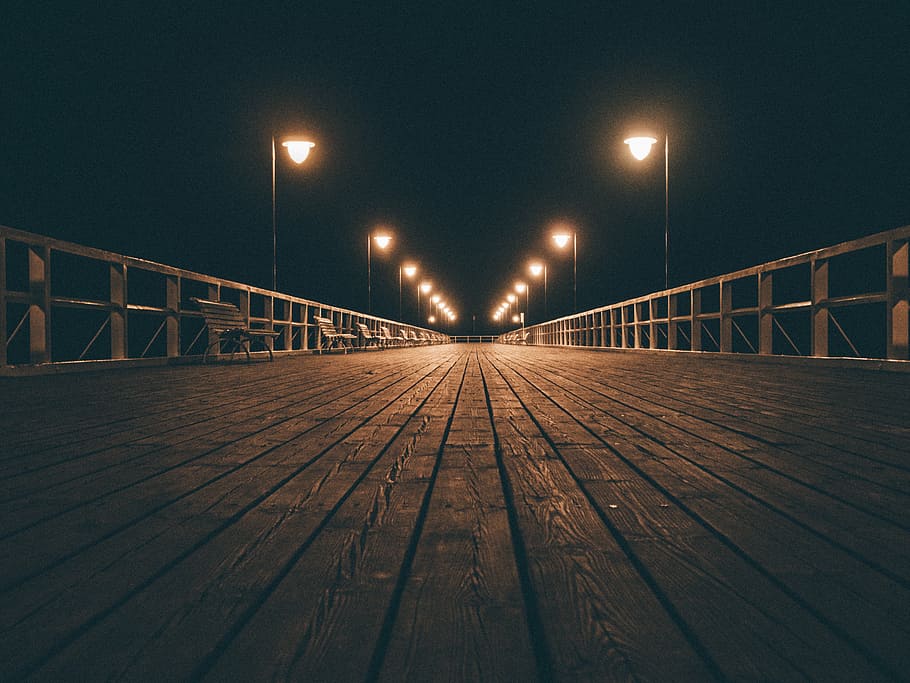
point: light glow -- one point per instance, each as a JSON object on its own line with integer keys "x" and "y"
{"x": 535, "y": 269}
{"x": 561, "y": 239}
{"x": 511, "y": 298}
{"x": 298, "y": 150}
{"x": 426, "y": 287}
{"x": 640, "y": 146}
{"x": 520, "y": 287}
{"x": 410, "y": 270}
{"x": 382, "y": 240}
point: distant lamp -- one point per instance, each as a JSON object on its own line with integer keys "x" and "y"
{"x": 561, "y": 239}
{"x": 426, "y": 287}
{"x": 382, "y": 239}
{"x": 640, "y": 146}
{"x": 536, "y": 269}
{"x": 298, "y": 150}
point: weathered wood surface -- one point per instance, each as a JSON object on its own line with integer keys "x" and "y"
{"x": 457, "y": 513}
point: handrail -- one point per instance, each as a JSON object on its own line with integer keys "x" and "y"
{"x": 689, "y": 317}
{"x": 113, "y": 310}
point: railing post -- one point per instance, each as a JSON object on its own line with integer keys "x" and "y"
{"x": 118, "y": 321}
{"x": 3, "y": 331}
{"x": 765, "y": 316}
{"x": 819, "y": 270}
{"x": 39, "y": 270}
{"x": 172, "y": 324}
{"x": 636, "y": 330}
{"x": 214, "y": 295}
{"x": 612, "y": 328}
{"x": 898, "y": 296}
{"x": 695, "y": 312}
{"x": 672, "y": 331}
{"x": 653, "y": 326}
{"x": 726, "y": 316}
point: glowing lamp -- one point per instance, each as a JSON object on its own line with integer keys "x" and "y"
{"x": 520, "y": 287}
{"x": 410, "y": 270}
{"x": 382, "y": 240}
{"x": 298, "y": 150}
{"x": 426, "y": 287}
{"x": 536, "y": 269}
{"x": 561, "y": 239}
{"x": 640, "y": 146}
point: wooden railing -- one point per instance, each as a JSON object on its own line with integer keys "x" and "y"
{"x": 848, "y": 300}
{"x": 62, "y": 303}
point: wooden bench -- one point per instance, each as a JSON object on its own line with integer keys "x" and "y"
{"x": 388, "y": 339}
{"x": 225, "y": 322}
{"x": 368, "y": 337}
{"x": 329, "y": 334}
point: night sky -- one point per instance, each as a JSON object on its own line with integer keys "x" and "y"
{"x": 466, "y": 128}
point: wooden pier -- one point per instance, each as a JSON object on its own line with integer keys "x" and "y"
{"x": 457, "y": 513}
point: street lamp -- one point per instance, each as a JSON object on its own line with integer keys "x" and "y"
{"x": 382, "y": 239}
{"x": 426, "y": 287}
{"x": 410, "y": 270}
{"x": 561, "y": 237}
{"x": 523, "y": 288}
{"x": 536, "y": 269}
{"x": 298, "y": 150}
{"x": 641, "y": 148}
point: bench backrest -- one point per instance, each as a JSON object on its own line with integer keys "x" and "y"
{"x": 364, "y": 330}
{"x": 221, "y": 316}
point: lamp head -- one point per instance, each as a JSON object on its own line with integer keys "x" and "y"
{"x": 298, "y": 150}
{"x": 520, "y": 287}
{"x": 410, "y": 270}
{"x": 382, "y": 240}
{"x": 536, "y": 269}
{"x": 426, "y": 287}
{"x": 561, "y": 239}
{"x": 640, "y": 146}
{"x": 511, "y": 298}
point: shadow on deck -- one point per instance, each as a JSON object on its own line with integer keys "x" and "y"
{"x": 457, "y": 513}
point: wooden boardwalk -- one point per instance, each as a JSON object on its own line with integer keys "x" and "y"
{"x": 462, "y": 512}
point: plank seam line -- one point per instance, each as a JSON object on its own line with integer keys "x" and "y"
{"x": 536, "y": 633}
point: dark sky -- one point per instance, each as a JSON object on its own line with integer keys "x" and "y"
{"x": 145, "y": 129}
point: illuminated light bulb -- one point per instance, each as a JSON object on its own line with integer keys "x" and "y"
{"x": 561, "y": 239}
{"x": 410, "y": 270}
{"x": 298, "y": 150}
{"x": 382, "y": 241}
{"x": 536, "y": 269}
{"x": 640, "y": 146}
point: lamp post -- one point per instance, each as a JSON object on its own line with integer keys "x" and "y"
{"x": 382, "y": 241}
{"x": 298, "y": 150}
{"x": 641, "y": 147}
{"x": 410, "y": 270}
{"x": 426, "y": 287}
{"x": 523, "y": 288}
{"x": 536, "y": 269}
{"x": 561, "y": 237}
